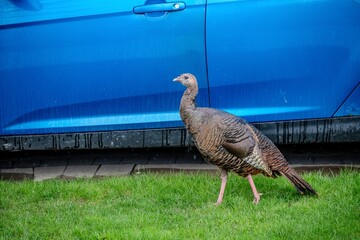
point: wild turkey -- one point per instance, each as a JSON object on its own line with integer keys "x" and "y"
{"x": 232, "y": 144}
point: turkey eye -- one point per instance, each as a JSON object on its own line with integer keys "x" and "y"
{"x": 186, "y": 77}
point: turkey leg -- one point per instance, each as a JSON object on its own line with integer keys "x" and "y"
{"x": 223, "y": 177}
{"x": 253, "y": 188}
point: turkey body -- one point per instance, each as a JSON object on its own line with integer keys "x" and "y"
{"x": 216, "y": 131}
{"x": 232, "y": 144}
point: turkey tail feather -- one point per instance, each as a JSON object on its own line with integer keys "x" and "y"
{"x": 300, "y": 184}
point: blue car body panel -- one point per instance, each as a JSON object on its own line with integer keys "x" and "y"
{"x": 69, "y": 66}
{"x": 282, "y": 60}
{"x": 104, "y": 72}
{"x": 350, "y": 107}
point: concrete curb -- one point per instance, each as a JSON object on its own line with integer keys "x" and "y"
{"x": 80, "y": 171}
{"x": 159, "y": 168}
{"x": 100, "y": 171}
{"x": 17, "y": 173}
{"x": 45, "y": 173}
{"x": 115, "y": 170}
{"x": 324, "y": 168}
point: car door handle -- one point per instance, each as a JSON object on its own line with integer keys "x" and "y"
{"x": 160, "y": 7}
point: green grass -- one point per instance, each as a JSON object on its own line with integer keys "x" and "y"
{"x": 180, "y": 206}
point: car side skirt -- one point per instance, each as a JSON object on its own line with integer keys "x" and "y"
{"x": 330, "y": 130}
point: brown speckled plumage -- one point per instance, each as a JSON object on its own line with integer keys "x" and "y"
{"x": 232, "y": 144}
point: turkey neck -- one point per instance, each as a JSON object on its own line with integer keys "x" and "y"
{"x": 187, "y": 104}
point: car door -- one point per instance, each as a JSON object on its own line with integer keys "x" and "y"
{"x": 71, "y": 66}
{"x": 282, "y": 60}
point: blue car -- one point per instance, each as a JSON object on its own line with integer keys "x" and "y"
{"x": 74, "y": 70}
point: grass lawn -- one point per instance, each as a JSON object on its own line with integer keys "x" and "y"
{"x": 180, "y": 206}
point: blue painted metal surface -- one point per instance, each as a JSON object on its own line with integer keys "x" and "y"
{"x": 105, "y": 72}
{"x": 74, "y": 66}
{"x": 282, "y": 60}
{"x": 351, "y": 107}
